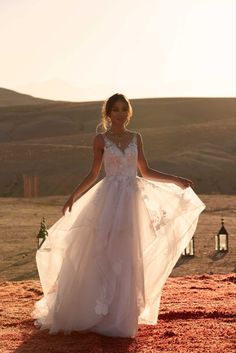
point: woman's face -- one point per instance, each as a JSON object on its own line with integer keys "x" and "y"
{"x": 119, "y": 113}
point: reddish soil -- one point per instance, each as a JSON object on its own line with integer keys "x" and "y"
{"x": 197, "y": 314}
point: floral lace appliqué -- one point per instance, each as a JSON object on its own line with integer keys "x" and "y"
{"x": 158, "y": 216}
{"x": 158, "y": 219}
{"x": 120, "y": 163}
{"x": 101, "y": 307}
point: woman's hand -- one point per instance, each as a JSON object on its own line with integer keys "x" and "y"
{"x": 185, "y": 182}
{"x": 68, "y": 204}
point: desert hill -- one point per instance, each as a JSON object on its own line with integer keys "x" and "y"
{"x": 192, "y": 137}
{"x": 11, "y": 98}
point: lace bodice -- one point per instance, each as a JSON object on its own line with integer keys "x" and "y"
{"x": 118, "y": 162}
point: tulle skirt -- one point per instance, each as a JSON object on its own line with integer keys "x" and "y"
{"x": 103, "y": 265}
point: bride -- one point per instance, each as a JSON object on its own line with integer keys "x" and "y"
{"x": 105, "y": 261}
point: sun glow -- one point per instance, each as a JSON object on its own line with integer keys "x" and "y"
{"x": 88, "y": 50}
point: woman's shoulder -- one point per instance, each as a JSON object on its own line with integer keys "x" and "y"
{"x": 101, "y": 135}
{"x": 133, "y": 132}
{"x": 138, "y": 137}
{"x": 99, "y": 139}
{"x": 137, "y": 134}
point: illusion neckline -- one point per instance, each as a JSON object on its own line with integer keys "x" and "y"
{"x": 112, "y": 142}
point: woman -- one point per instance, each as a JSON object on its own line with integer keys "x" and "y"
{"x": 106, "y": 260}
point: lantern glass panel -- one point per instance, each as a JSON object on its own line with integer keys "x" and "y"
{"x": 223, "y": 241}
{"x": 189, "y": 248}
{"x": 217, "y": 242}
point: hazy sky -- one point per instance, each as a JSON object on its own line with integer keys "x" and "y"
{"x": 90, "y": 49}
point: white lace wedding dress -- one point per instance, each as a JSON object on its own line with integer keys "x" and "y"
{"x": 103, "y": 266}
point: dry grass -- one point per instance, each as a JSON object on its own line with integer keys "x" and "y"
{"x": 20, "y": 221}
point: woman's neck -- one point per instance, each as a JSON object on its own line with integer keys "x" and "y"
{"x": 117, "y": 130}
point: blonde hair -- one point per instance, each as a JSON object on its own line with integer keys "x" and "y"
{"x": 107, "y": 106}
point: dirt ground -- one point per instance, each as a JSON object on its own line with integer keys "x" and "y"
{"x": 197, "y": 312}
{"x": 197, "y": 315}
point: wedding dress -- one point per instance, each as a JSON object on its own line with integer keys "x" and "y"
{"x": 104, "y": 264}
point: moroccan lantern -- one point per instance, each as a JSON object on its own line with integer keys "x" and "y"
{"x": 221, "y": 238}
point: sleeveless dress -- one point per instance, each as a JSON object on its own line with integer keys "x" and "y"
{"x": 104, "y": 264}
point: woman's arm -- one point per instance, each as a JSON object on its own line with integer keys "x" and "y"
{"x": 98, "y": 147}
{"x": 147, "y": 172}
